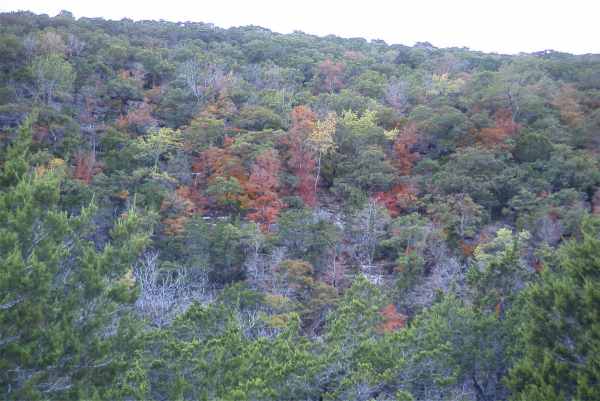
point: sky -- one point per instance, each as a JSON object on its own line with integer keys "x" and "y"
{"x": 501, "y": 26}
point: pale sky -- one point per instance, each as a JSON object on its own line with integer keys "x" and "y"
{"x": 503, "y": 26}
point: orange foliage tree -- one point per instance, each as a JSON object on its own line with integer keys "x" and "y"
{"x": 566, "y": 101}
{"x": 191, "y": 194}
{"x": 392, "y": 319}
{"x": 216, "y": 165}
{"x": 178, "y": 208}
{"x": 504, "y": 128}
{"x": 301, "y": 156}
{"x": 138, "y": 119}
{"x": 330, "y": 75}
{"x": 404, "y": 157}
{"x": 218, "y": 162}
{"x": 262, "y": 189}
{"x": 221, "y": 108}
{"x": 86, "y": 167}
{"x": 397, "y": 199}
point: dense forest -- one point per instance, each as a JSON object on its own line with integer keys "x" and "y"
{"x": 196, "y": 213}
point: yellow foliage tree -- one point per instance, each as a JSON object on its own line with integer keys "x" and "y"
{"x": 322, "y": 141}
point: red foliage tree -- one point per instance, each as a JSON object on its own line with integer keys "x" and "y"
{"x": 191, "y": 195}
{"x": 215, "y": 163}
{"x": 222, "y": 108}
{"x": 397, "y": 199}
{"x": 262, "y": 189}
{"x": 218, "y": 162}
{"x": 596, "y": 202}
{"x": 538, "y": 265}
{"x": 301, "y": 158}
{"x": 178, "y": 207}
{"x": 504, "y": 128}
{"x": 392, "y": 319}
{"x": 404, "y": 157}
{"x": 138, "y": 119}
{"x": 86, "y": 167}
{"x": 330, "y": 75}
{"x": 567, "y": 103}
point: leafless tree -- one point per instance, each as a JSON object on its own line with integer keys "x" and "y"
{"x": 161, "y": 295}
{"x": 447, "y": 275}
{"x": 396, "y": 94}
{"x": 53, "y": 76}
{"x": 74, "y": 45}
{"x": 255, "y": 259}
{"x": 30, "y": 44}
{"x": 204, "y": 79}
{"x": 549, "y": 230}
{"x": 51, "y": 42}
{"x": 191, "y": 71}
{"x": 367, "y": 229}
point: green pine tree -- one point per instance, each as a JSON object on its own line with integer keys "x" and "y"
{"x": 62, "y": 297}
{"x": 561, "y": 332}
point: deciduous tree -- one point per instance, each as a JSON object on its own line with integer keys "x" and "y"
{"x": 330, "y": 75}
{"x": 301, "y": 157}
{"x": 53, "y": 76}
{"x": 262, "y": 189}
{"x": 322, "y": 140}
{"x": 405, "y": 156}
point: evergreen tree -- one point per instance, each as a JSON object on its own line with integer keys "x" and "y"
{"x": 561, "y": 332}
{"x": 61, "y": 298}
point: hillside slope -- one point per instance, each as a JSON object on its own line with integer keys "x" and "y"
{"x": 189, "y": 212}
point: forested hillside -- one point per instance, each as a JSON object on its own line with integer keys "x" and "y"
{"x": 196, "y": 213}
